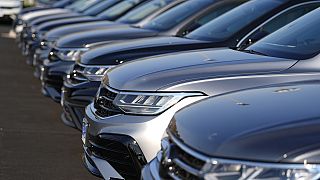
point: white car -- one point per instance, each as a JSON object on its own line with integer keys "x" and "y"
{"x": 10, "y": 7}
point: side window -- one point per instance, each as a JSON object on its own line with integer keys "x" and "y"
{"x": 279, "y": 21}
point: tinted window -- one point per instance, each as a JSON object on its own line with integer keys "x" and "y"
{"x": 119, "y": 9}
{"x": 233, "y": 21}
{"x": 297, "y": 40}
{"x": 176, "y": 15}
{"x": 280, "y": 21}
{"x": 218, "y": 9}
{"x": 82, "y": 5}
{"x": 98, "y": 8}
{"x": 143, "y": 11}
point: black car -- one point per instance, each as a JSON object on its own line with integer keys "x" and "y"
{"x": 136, "y": 17}
{"x": 81, "y": 85}
{"x": 188, "y": 16}
{"x": 263, "y": 133}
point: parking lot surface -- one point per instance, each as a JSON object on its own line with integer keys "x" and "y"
{"x": 34, "y": 144}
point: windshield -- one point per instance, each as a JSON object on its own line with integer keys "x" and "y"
{"x": 81, "y": 5}
{"x": 99, "y": 7}
{"x": 176, "y": 15}
{"x": 118, "y": 9}
{"x": 60, "y": 3}
{"x": 298, "y": 40}
{"x": 143, "y": 11}
{"x": 233, "y": 21}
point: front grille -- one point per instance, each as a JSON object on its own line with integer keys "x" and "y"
{"x": 121, "y": 152}
{"x": 53, "y": 55}
{"x": 76, "y": 75}
{"x": 183, "y": 165}
{"x": 44, "y": 45}
{"x": 104, "y": 103}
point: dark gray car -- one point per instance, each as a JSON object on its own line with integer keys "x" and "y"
{"x": 263, "y": 133}
{"x": 137, "y": 100}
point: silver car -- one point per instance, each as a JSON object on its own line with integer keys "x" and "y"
{"x": 136, "y": 101}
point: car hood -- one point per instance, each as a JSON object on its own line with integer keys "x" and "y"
{"x": 56, "y": 23}
{"x": 53, "y": 17}
{"x": 128, "y": 50}
{"x": 165, "y": 71}
{"x": 255, "y": 125}
{"x": 111, "y": 34}
{"x": 45, "y": 12}
{"x": 74, "y": 28}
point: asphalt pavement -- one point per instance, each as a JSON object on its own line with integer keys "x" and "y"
{"x": 34, "y": 143}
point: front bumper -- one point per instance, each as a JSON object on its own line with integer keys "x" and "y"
{"x": 151, "y": 171}
{"x": 147, "y": 131}
{"x": 31, "y": 51}
{"x": 74, "y": 100}
{"x": 38, "y": 59}
{"x": 93, "y": 165}
{"x": 52, "y": 74}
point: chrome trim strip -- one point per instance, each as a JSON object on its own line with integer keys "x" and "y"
{"x": 244, "y": 77}
{"x": 183, "y": 94}
{"x": 70, "y": 49}
{"x": 97, "y": 66}
{"x": 173, "y": 176}
{"x": 186, "y": 167}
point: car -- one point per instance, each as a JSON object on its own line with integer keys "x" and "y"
{"x": 110, "y": 14}
{"x": 136, "y": 17}
{"x": 58, "y": 4}
{"x": 77, "y": 5}
{"x": 29, "y": 36}
{"x": 93, "y": 10}
{"x": 262, "y": 133}
{"x": 10, "y": 8}
{"x": 136, "y": 100}
{"x": 186, "y": 15}
{"x": 18, "y": 21}
{"x": 30, "y": 40}
{"x": 80, "y": 86}
{"x": 21, "y": 28}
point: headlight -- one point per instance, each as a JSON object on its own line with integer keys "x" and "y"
{"x": 95, "y": 73}
{"x": 70, "y": 54}
{"x": 225, "y": 169}
{"x": 149, "y": 103}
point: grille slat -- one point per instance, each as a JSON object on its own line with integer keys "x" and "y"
{"x": 184, "y": 165}
{"x": 104, "y": 103}
{"x": 117, "y": 152}
{"x": 76, "y": 75}
{"x": 106, "y": 148}
{"x": 53, "y": 55}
